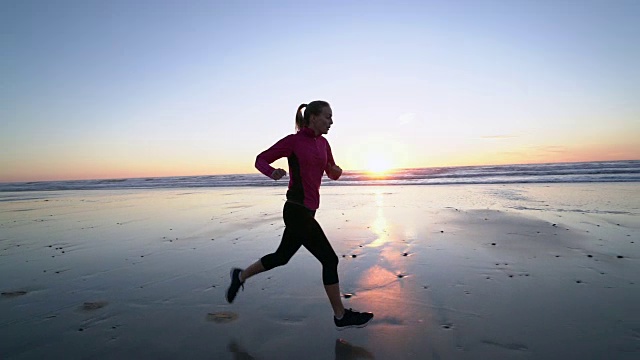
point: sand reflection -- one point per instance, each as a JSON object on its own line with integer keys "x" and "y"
{"x": 382, "y": 280}
{"x": 389, "y": 248}
{"x": 386, "y": 286}
{"x": 239, "y": 353}
{"x": 377, "y": 277}
{"x": 345, "y": 351}
{"x": 380, "y": 226}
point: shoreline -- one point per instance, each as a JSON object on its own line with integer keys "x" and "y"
{"x": 513, "y": 174}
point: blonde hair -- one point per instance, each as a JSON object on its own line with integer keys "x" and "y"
{"x": 313, "y": 108}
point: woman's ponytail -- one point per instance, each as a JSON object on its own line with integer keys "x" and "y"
{"x": 313, "y": 108}
{"x": 300, "y": 120}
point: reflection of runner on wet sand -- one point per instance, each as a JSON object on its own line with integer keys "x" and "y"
{"x": 238, "y": 352}
{"x": 346, "y": 351}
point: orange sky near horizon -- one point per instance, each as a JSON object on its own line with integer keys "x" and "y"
{"x": 73, "y": 169}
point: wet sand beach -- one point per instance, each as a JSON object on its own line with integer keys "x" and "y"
{"x": 533, "y": 271}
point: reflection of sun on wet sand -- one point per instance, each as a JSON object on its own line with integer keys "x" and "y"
{"x": 451, "y": 272}
{"x": 448, "y": 282}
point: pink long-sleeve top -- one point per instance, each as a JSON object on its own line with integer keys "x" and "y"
{"x": 309, "y": 156}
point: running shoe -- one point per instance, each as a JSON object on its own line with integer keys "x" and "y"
{"x": 232, "y": 291}
{"x": 353, "y": 319}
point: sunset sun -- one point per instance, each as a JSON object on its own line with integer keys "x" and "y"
{"x": 378, "y": 164}
{"x": 376, "y": 155}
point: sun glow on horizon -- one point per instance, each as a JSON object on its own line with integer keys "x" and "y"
{"x": 378, "y": 164}
{"x": 376, "y": 155}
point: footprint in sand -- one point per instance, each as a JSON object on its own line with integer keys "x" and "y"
{"x": 12, "y": 294}
{"x": 93, "y": 305}
{"x": 507, "y": 346}
{"x": 222, "y": 317}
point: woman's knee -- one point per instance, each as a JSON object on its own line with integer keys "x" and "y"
{"x": 333, "y": 260}
{"x": 330, "y": 274}
{"x": 273, "y": 260}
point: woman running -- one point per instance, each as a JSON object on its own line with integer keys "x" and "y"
{"x": 309, "y": 156}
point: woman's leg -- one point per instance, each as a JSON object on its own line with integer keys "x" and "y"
{"x": 289, "y": 245}
{"x": 333, "y": 293}
{"x": 253, "y": 269}
{"x": 318, "y": 245}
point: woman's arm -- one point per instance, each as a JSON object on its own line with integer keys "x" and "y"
{"x": 279, "y": 150}
{"x": 333, "y": 171}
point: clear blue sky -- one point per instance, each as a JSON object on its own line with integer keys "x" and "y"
{"x": 107, "y": 89}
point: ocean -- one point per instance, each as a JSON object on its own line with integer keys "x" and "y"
{"x": 584, "y": 172}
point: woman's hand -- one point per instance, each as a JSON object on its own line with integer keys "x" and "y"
{"x": 277, "y": 174}
{"x": 336, "y": 171}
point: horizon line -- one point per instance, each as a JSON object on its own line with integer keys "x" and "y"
{"x": 358, "y": 170}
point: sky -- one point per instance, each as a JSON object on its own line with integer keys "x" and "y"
{"x": 119, "y": 89}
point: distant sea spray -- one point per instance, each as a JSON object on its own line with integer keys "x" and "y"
{"x": 585, "y": 172}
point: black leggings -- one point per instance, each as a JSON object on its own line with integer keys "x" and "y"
{"x": 301, "y": 229}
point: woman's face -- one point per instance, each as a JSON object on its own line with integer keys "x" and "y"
{"x": 322, "y": 122}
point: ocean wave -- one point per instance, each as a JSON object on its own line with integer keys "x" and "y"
{"x": 616, "y": 171}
